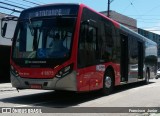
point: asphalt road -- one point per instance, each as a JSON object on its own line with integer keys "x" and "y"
{"x": 133, "y": 95}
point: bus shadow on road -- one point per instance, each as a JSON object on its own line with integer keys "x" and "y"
{"x": 63, "y": 99}
{"x": 51, "y": 99}
{"x": 130, "y": 86}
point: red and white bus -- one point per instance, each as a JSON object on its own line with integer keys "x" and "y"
{"x": 72, "y": 47}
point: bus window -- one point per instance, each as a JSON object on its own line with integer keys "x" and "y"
{"x": 87, "y": 46}
{"x": 107, "y": 43}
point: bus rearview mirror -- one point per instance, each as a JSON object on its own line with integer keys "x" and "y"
{"x": 8, "y": 25}
{"x": 3, "y": 31}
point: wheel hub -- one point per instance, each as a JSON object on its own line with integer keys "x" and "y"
{"x": 108, "y": 82}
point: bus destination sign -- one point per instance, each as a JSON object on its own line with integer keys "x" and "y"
{"x": 51, "y": 12}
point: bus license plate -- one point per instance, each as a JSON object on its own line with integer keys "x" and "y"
{"x": 36, "y": 86}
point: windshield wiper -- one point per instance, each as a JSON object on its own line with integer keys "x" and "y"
{"x": 35, "y": 43}
{"x": 31, "y": 27}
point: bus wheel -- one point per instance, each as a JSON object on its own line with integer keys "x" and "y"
{"x": 108, "y": 82}
{"x": 147, "y": 77}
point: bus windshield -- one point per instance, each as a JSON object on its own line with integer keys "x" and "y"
{"x": 44, "y": 37}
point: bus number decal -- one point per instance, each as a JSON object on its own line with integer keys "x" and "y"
{"x": 100, "y": 67}
{"x": 47, "y": 73}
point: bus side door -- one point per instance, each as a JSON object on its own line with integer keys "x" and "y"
{"x": 124, "y": 58}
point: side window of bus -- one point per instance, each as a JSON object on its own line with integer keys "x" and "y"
{"x": 87, "y": 46}
{"x": 107, "y": 43}
{"x": 133, "y": 50}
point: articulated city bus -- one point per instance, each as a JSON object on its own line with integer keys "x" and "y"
{"x": 72, "y": 47}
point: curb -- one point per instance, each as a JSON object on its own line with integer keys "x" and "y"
{"x": 6, "y": 87}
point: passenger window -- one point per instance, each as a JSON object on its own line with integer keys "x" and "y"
{"x": 87, "y": 46}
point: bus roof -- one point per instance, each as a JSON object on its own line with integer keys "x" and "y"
{"x": 52, "y": 4}
{"x": 129, "y": 31}
{"x": 116, "y": 24}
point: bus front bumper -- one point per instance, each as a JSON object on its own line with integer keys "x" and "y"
{"x": 68, "y": 83}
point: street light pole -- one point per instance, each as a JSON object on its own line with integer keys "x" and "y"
{"x": 108, "y": 8}
{"x": 109, "y": 2}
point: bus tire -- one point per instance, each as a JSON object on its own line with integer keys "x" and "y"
{"x": 108, "y": 82}
{"x": 147, "y": 76}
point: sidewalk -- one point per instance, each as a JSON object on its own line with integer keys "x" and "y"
{"x": 6, "y": 87}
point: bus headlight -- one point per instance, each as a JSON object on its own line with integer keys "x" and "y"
{"x": 14, "y": 72}
{"x": 64, "y": 71}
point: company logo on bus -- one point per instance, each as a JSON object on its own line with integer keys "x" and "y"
{"x": 34, "y": 62}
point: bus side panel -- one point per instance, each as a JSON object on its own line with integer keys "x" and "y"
{"x": 98, "y": 48}
{"x": 82, "y": 82}
{"x": 91, "y": 78}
